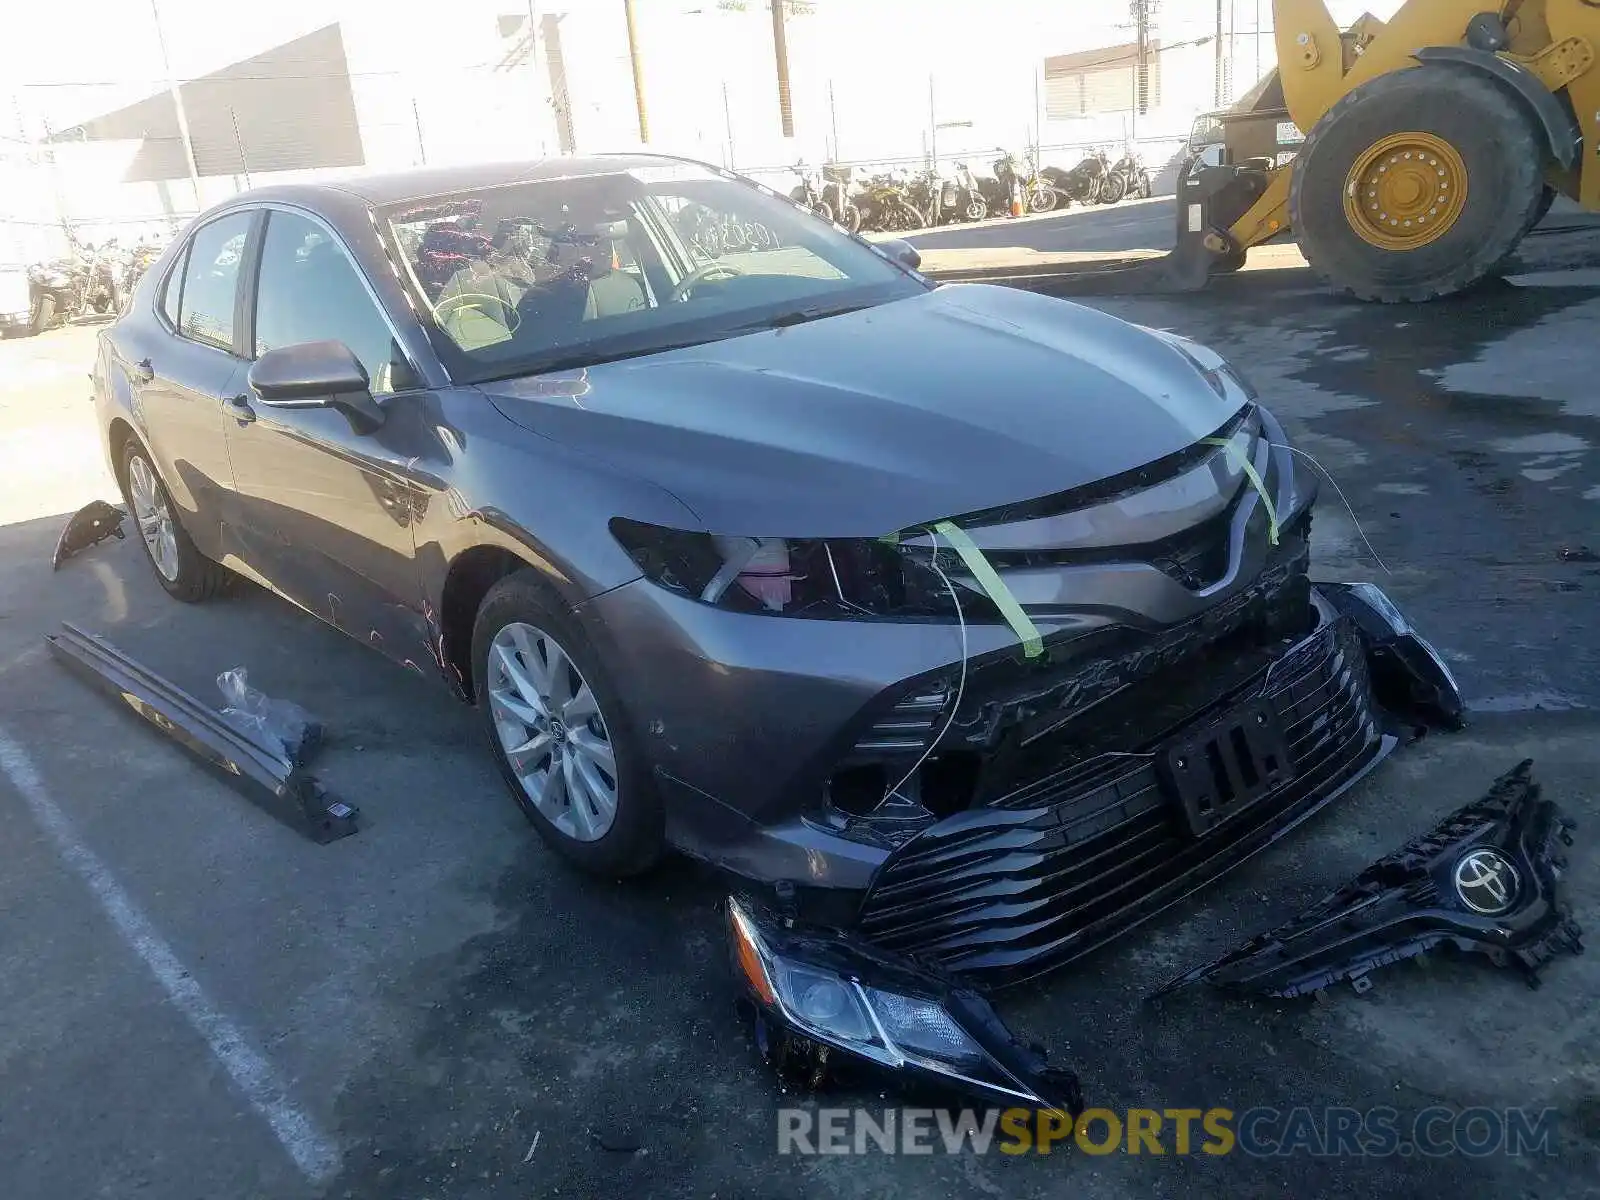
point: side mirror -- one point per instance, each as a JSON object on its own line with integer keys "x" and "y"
{"x": 317, "y": 375}
{"x": 902, "y": 252}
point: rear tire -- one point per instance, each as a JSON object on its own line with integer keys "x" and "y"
{"x": 1496, "y": 144}
{"x": 180, "y": 568}
{"x": 42, "y": 314}
{"x": 636, "y": 836}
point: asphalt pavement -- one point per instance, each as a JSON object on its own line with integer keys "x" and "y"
{"x": 195, "y": 1002}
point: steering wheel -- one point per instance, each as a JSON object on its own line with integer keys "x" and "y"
{"x": 716, "y": 270}
{"x": 479, "y": 301}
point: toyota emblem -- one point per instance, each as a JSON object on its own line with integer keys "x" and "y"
{"x": 1486, "y": 881}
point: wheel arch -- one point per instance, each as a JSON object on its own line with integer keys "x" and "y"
{"x": 1562, "y": 135}
{"x": 467, "y": 580}
{"x": 118, "y": 434}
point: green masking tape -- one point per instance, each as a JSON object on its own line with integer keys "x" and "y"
{"x": 1249, "y": 468}
{"x": 1032, "y": 642}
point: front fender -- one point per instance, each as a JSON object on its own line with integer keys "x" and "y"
{"x": 1563, "y": 137}
{"x": 486, "y": 482}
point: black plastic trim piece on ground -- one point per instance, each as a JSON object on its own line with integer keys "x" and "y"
{"x": 1484, "y": 881}
{"x": 269, "y": 779}
{"x": 89, "y": 526}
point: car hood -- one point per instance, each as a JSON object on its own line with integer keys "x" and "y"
{"x": 959, "y": 399}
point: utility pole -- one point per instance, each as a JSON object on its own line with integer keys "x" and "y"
{"x": 638, "y": 71}
{"x": 1141, "y": 78}
{"x": 1218, "y": 39}
{"x": 1258, "y": 39}
{"x": 177, "y": 106}
{"x": 780, "y": 50}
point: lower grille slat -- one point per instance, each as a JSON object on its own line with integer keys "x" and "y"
{"x": 1018, "y": 889}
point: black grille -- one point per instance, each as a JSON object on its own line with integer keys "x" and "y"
{"x": 907, "y": 727}
{"x": 1058, "y": 866}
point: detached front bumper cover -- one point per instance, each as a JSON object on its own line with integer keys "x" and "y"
{"x": 817, "y": 996}
{"x": 1485, "y": 881}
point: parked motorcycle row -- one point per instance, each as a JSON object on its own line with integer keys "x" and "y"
{"x": 91, "y": 280}
{"x": 900, "y": 199}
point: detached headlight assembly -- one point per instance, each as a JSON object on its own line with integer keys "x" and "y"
{"x": 816, "y": 997}
{"x": 811, "y": 577}
{"x": 1409, "y": 676}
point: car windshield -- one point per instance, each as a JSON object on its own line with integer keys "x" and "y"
{"x": 560, "y": 273}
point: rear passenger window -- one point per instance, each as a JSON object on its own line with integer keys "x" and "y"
{"x": 173, "y": 289}
{"x": 211, "y": 280}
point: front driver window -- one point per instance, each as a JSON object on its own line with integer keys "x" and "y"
{"x": 309, "y": 291}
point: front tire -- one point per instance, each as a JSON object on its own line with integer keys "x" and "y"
{"x": 42, "y": 313}
{"x": 564, "y": 744}
{"x": 180, "y": 568}
{"x": 1114, "y": 190}
{"x": 1418, "y": 184}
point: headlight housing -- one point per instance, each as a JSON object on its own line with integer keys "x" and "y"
{"x": 1409, "y": 675}
{"x": 840, "y": 578}
{"x": 817, "y": 995}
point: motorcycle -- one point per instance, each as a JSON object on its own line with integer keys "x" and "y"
{"x": 827, "y": 193}
{"x": 808, "y": 193}
{"x": 951, "y": 198}
{"x": 136, "y": 262}
{"x": 836, "y": 194}
{"x": 886, "y": 205}
{"x": 64, "y": 289}
{"x": 1036, "y": 195}
{"x": 1127, "y": 177}
{"x": 1083, "y": 184}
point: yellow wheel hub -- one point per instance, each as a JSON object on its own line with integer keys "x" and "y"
{"x": 1406, "y": 191}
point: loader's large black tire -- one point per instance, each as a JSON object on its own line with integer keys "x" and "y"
{"x": 1498, "y": 144}
{"x": 1543, "y": 210}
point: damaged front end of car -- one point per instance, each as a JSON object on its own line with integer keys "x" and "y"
{"x": 1170, "y": 706}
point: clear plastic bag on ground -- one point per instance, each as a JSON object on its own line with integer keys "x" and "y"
{"x": 280, "y": 725}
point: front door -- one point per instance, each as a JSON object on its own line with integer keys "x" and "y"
{"x": 322, "y": 512}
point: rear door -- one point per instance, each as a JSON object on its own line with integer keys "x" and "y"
{"x": 186, "y": 365}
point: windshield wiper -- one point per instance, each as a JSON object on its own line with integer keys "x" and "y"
{"x": 590, "y": 358}
{"x": 799, "y": 316}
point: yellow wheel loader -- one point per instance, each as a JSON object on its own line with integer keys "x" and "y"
{"x": 1432, "y": 143}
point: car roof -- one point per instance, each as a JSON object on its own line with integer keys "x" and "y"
{"x": 381, "y": 190}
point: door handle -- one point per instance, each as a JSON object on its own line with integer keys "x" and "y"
{"x": 239, "y": 409}
{"x": 143, "y": 372}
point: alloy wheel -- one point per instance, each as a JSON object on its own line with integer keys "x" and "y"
{"x": 552, "y": 732}
{"x": 151, "y": 511}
